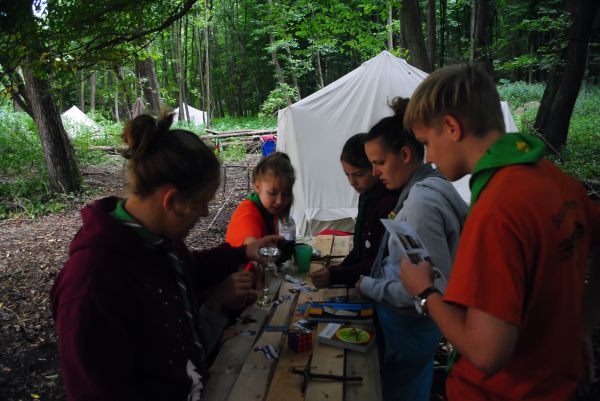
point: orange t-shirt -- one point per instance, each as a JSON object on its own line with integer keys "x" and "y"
{"x": 522, "y": 258}
{"x": 245, "y": 222}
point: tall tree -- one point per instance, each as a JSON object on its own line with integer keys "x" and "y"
{"x": 410, "y": 23}
{"x": 93, "y": 91}
{"x": 58, "y": 151}
{"x": 81, "y": 91}
{"x": 389, "y": 26}
{"x": 481, "y": 22}
{"x": 207, "y": 93}
{"x": 431, "y": 32}
{"x": 564, "y": 81}
{"x": 48, "y": 38}
{"x": 144, "y": 69}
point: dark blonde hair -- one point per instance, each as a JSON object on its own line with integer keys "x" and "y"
{"x": 159, "y": 156}
{"x": 466, "y": 92}
{"x": 276, "y": 164}
{"x": 392, "y": 133}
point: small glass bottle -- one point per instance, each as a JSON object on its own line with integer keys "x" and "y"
{"x": 287, "y": 229}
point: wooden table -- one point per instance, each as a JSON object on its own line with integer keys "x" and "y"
{"x": 241, "y": 374}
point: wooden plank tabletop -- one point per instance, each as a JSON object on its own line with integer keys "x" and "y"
{"x": 239, "y": 373}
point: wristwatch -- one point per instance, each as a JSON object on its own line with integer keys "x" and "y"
{"x": 421, "y": 300}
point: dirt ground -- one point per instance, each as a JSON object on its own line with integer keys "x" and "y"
{"x": 31, "y": 254}
{"x": 33, "y": 251}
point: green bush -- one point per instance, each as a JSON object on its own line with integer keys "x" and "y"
{"x": 234, "y": 151}
{"x": 277, "y": 100}
{"x": 581, "y": 155}
{"x": 519, "y": 93}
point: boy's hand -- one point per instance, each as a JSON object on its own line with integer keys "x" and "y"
{"x": 235, "y": 292}
{"x": 321, "y": 278}
{"x": 416, "y": 278}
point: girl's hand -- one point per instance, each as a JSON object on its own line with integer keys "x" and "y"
{"x": 253, "y": 247}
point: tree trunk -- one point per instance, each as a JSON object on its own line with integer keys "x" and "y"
{"x": 410, "y": 21}
{"x": 93, "y": 91}
{"x": 319, "y": 71}
{"x": 144, "y": 69}
{"x": 389, "y": 28}
{"x": 431, "y": 35}
{"x": 564, "y": 82}
{"x": 18, "y": 93}
{"x": 165, "y": 63}
{"x": 200, "y": 72}
{"x": 81, "y": 91}
{"x": 443, "y": 8}
{"x": 207, "y": 100}
{"x": 275, "y": 61}
{"x": 59, "y": 155}
{"x": 293, "y": 72}
{"x": 124, "y": 89}
{"x": 481, "y": 22}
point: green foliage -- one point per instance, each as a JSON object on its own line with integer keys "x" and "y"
{"x": 24, "y": 189}
{"x": 23, "y": 179}
{"x": 244, "y": 123}
{"x": 277, "y": 100}
{"x": 580, "y": 157}
{"x": 235, "y": 150}
{"x": 519, "y": 93}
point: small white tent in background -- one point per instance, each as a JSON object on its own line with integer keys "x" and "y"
{"x": 76, "y": 122}
{"x": 138, "y": 108}
{"x": 313, "y": 131}
{"x": 198, "y": 117}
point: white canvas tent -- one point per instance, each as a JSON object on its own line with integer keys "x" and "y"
{"x": 313, "y": 131}
{"x": 76, "y": 120}
{"x": 198, "y": 117}
{"x": 138, "y": 108}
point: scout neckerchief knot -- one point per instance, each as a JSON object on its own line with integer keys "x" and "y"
{"x": 154, "y": 241}
{"x": 508, "y": 150}
{"x": 267, "y": 217}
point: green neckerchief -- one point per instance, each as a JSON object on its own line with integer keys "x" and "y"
{"x": 267, "y": 217}
{"x": 508, "y": 150}
{"x": 123, "y": 215}
{"x": 154, "y": 241}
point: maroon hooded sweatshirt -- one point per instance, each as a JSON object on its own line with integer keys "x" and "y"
{"x": 122, "y": 329}
{"x": 377, "y": 203}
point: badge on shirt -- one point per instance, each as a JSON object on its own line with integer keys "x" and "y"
{"x": 367, "y": 244}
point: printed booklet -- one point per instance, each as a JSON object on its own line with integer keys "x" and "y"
{"x": 354, "y": 337}
{"x": 406, "y": 239}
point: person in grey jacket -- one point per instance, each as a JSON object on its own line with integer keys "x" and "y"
{"x": 436, "y": 212}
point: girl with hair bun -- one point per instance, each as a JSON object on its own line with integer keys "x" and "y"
{"x": 436, "y": 212}
{"x": 137, "y": 313}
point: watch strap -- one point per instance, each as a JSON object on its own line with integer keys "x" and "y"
{"x": 427, "y": 292}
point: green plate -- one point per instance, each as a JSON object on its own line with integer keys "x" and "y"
{"x": 353, "y": 335}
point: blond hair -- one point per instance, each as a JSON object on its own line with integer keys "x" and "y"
{"x": 466, "y": 92}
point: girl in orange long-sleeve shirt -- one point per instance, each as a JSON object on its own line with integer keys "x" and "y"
{"x": 257, "y": 215}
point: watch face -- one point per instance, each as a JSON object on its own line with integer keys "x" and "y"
{"x": 419, "y": 303}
